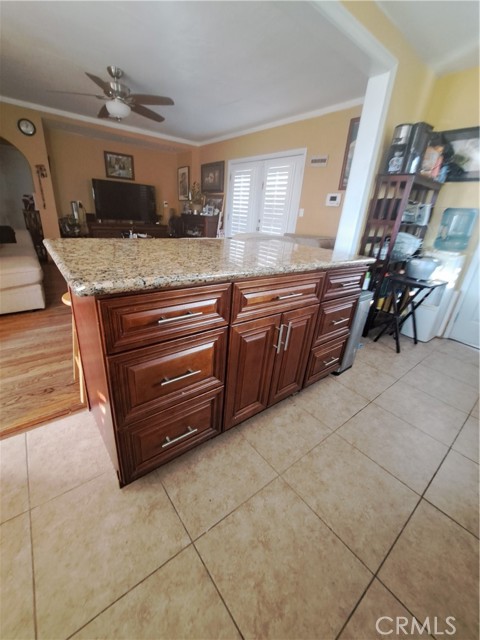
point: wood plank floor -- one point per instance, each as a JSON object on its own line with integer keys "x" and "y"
{"x": 36, "y": 374}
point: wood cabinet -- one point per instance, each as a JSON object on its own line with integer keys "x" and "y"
{"x": 167, "y": 370}
{"x": 335, "y": 316}
{"x": 197, "y": 226}
{"x": 122, "y": 229}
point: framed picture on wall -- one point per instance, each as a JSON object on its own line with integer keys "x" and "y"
{"x": 118, "y": 165}
{"x": 212, "y": 177}
{"x": 215, "y": 201}
{"x": 462, "y": 154}
{"x": 183, "y": 183}
{"x": 349, "y": 151}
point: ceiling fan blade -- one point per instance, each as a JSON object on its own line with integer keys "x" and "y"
{"x": 77, "y": 93}
{"x": 104, "y": 86}
{"x": 141, "y": 98}
{"x": 146, "y": 113}
{"x": 103, "y": 113}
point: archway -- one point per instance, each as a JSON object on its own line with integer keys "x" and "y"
{"x": 15, "y": 181}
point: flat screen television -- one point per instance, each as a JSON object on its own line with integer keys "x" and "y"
{"x": 124, "y": 201}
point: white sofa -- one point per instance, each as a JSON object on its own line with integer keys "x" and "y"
{"x": 21, "y": 275}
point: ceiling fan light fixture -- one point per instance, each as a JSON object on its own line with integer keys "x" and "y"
{"x": 117, "y": 108}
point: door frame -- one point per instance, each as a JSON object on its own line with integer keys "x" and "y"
{"x": 467, "y": 281}
{"x": 297, "y": 192}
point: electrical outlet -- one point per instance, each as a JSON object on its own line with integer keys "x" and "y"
{"x": 301, "y": 212}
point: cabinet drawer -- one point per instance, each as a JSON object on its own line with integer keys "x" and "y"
{"x": 156, "y": 441}
{"x": 265, "y": 296}
{"x": 150, "y": 379}
{"x": 335, "y": 319}
{"x": 324, "y": 359}
{"x": 343, "y": 282}
{"x": 140, "y": 320}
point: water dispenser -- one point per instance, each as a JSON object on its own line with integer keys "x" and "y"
{"x": 455, "y": 229}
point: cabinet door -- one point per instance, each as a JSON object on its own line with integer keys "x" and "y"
{"x": 252, "y": 354}
{"x": 291, "y": 361}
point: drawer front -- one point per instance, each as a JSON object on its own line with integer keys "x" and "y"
{"x": 343, "y": 282}
{"x": 257, "y": 298}
{"x": 150, "y": 379}
{"x": 335, "y": 319}
{"x": 324, "y": 359}
{"x": 139, "y": 320}
{"x": 155, "y": 441}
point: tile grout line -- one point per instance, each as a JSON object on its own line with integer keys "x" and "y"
{"x": 123, "y": 595}
{"x": 217, "y": 589}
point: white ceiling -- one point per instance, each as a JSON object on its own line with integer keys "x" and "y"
{"x": 229, "y": 66}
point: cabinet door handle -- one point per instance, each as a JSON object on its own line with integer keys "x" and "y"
{"x": 182, "y": 377}
{"x": 278, "y": 346}
{"x": 288, "y": 296}
{"x": 339, "y": 321}
{"x": 331, "y": 361}
{"x": 287, "y": 337}
{"x": 188, "y": 432}
{"x": 189, "y": 314}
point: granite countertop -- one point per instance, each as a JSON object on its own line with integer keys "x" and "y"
{"x": 98, "y": 266}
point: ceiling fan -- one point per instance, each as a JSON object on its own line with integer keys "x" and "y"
{"x": 119, "y": 102}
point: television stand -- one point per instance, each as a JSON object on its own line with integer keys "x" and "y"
{"x": 113, "y": 229}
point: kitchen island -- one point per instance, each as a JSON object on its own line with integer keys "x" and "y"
{"x": 181, "y": 339}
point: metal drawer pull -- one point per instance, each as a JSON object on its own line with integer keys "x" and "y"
{"x": 189, "y": 432}
{"x": 278, "y": 346}
{"x": 331, "y": 361}
{"x": 182, "y": 377}
{"x": 339, "y": 321}
{"x": 289, "y": 295}
{"x": 346, "y": 284}
{"x": 287, "y": 338}
{"x": 189, "y": 314}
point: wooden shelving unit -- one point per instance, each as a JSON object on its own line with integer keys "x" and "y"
{"x": 391, "y": 197}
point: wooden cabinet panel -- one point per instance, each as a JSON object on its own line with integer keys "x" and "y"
{"x": 289, "y": 369}
{"x": 324, "y": 359}
{"x": 257, "y": 298}
{"x": 197, "y": 226}
{"x": 335, "y": 318}
{"x": 251, "y": 358}
{"x": 139, "y": 320}
{"x": 147, "y": 380}
{"x": 157, "y": 440}
{"x": 122, "y": 229}
{"x": 343, "y": 282}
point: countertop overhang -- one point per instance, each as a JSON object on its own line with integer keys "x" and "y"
{"x": 98, "y": 266}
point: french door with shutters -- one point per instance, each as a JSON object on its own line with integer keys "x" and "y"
{"x": 264, "y": 194}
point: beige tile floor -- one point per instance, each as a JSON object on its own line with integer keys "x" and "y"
{"x": 355, "y": 501}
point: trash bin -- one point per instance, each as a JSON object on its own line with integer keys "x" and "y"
{"x": 356, "y": 330}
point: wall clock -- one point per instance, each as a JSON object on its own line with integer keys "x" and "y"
{"x": 26, "y": 126}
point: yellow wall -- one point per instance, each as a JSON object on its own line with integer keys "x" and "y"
{"x": 35, "y": 151}
{"x": 76, "y": 159}
{"x": 454, "y": 104}
{"x": 324, "y": 135}
{"x": 413, "y": 80}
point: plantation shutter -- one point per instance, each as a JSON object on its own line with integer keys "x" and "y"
{"x": 277, "y": 192}
{"x": 243, "y": 196}
{"x": 264, "y": 195}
